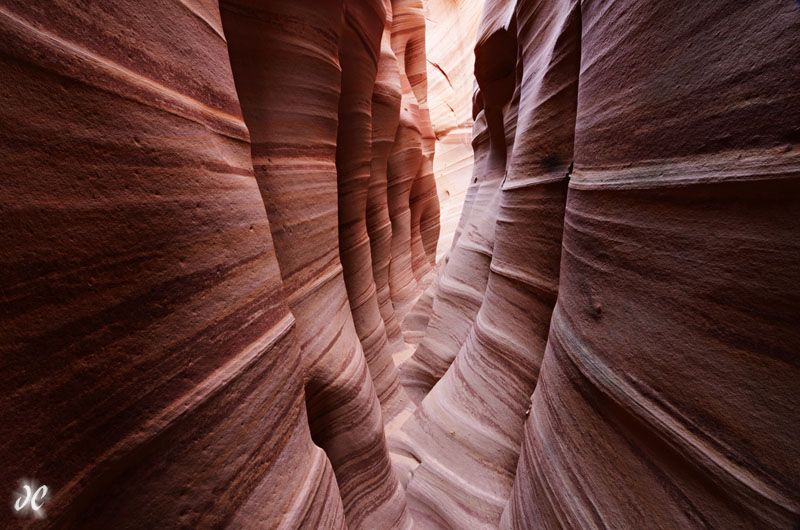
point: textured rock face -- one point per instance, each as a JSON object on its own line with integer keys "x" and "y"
{"x": 670, "y": 378}
{"x": 505, "y": 345}
{"x": 665, "y": 390}
{"x": 295, "y": 156}
{"x": 463, "y": 281}
{"x": 405, "y": 161}
{"x": 451, "y": 29}
{"x": 386, "y": 98}
{"x": 413, "y": 204}
{"x": 408, "y": 42}
{"x": 143, "y": 330}
{"x": 359, "y": 51}
{"x": 160, "y": 380}
{"x": 221, "y": 304}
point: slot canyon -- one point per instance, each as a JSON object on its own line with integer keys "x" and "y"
{"x": 400, "y": 264}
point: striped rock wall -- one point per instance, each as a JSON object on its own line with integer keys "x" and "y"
{"x": 196, "y": 245}
{"x": 152, "y": 375}
{"x": 261, "y": 269}
{"x": 628, "y": 359}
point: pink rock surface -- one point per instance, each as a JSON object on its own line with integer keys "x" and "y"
{"x": 151, "y": 373}
{"x": 145, "y": 282}
{"x": 451, "y": 28}
{"x": 408, "y": 42}
{"x": 463, "y": 281}
{"x": 487, "y": 388}
{"x": 413, "y": 201}
{"x": 386, "y": 98}
{"x": 405, "y": 161}
{"x": 290, "y": 100}
{"x": 223, "y": 228}
{"x": 415, "y": 324}
{"x": 667, "y": 395}
{"x": 359, "y": 50}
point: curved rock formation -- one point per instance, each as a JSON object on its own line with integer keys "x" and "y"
{"x": 424, "y": 206}
{"x": 219, "y": 229}
{"x": 289, "y": 99}
{"x": 667, "y": 392}
{"x": 405, "y": 161}
{"x": 410, "y": 159}
{"x": 386, "y": 98}
{"x": 408, "y": 41}
{"x": 463, "y": 281}
{"x": 359, "y": 49}
{"x": 151, "y": 376}
{"x": 451, "y": 28}
{"x": 416, "y": 322}
{"x": 488, "y": 386}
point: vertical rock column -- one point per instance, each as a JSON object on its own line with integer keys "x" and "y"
{"x": 416, "y": 322}
{"x": 463, "y": 281}
{"x": 405, "y": 161}
{"x": 151, "y": 376}
{"x": 287, "y": 73}
{"x": 450, "y": 30}
{"x": 412, "y": 188}
{"x": 358, "y": 55}
{"x": 471, "y": 422}
{"x": 408, "y": 41}
{"x": 424, "y": 206}
{"x": 668, "y": 393}
{"x": 385, "y": 119}
{"x": 424, "y": 200}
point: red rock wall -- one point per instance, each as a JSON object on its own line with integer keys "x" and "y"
{"x": 359, "y": 51}
{"x": 386, "y": 98}
{"x": 664, "y": 387}
{"x": 412, "y": 191}
{"x": 667, "y": 395}
{"x": 159, "y": 379}
{"x": 408, "y": 41}
{"x": 151, "y": 370}
{"x": 294, "y": 143}
{"x": 495, "y": 370}
{"x": 219, "y": 228}
{"x": 451, "y": 29}
{"x": 462, "y": 284}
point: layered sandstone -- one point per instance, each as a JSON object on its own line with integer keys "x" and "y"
{"x": 505, "y": 345}
{"x": 667, "y": 394}
{"x": 663, "y": 396}
{"x": 462, "y": 283}
{"x": 145, "y": 283}
{"x": 386, "y": 97}
{"x": 151, "y": 370}
{"x": 240, "y": 290}
{"x": 451, "y": 29}
{"x": 359, "y": 50}
{"x": 290, "y": 101}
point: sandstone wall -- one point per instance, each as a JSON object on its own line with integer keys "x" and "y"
{"x": 197, "y": 236}
{"x": 239, "y": 288}
{"x": 151, "y": 371}
{"x": 451, "y": 30}
{"x": 619, "y": 355}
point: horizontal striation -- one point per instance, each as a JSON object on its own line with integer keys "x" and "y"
{"x": 143, "y": 316}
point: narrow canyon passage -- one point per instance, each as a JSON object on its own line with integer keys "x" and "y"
{"x": 400, "y": 264}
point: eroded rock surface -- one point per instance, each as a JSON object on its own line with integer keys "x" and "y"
{"x": 667, "y": 395}
{"x": 253, "y": 278}
{"x": 663, "y": 385}
{"x": 151, "y": 367}
{"x": 294, "y": 146}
